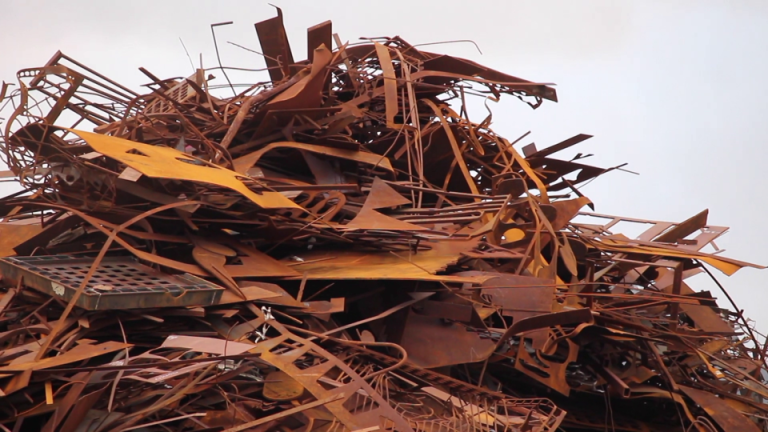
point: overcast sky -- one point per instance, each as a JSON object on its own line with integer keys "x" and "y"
{"x": 676, "y": 88}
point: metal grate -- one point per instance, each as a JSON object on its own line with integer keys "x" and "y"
{"x": 118, "y": 283}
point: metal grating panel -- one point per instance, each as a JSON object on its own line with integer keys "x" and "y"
{"x": 118, "y": 283}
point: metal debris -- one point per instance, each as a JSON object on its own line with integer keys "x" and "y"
{"x": 340, "y": 248}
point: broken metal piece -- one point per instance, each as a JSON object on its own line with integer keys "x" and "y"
{"x": 118, "y": 283}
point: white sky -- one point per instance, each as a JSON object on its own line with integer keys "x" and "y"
{"x": 675, "y": 88}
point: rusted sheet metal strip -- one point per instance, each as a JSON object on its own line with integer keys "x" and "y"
{"x": 726, "y": 417}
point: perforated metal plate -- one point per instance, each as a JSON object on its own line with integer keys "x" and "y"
{"x": 118, "y": 283}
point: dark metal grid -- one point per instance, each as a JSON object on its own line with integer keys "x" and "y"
{"x": 123, "y": 275}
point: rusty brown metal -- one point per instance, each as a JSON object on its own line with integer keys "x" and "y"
{"x": 341, "y": 248}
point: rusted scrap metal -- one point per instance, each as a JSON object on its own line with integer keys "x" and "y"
{"x": 341, "y": 248}
{"x": 117, "y": 283}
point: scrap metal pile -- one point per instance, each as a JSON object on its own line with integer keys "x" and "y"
{"x": 340, "y": 248}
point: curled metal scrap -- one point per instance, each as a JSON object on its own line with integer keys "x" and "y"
{"x": 341, "y": 248}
